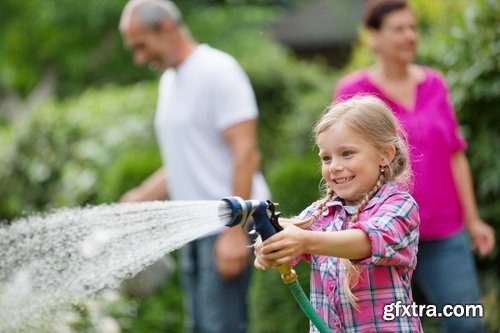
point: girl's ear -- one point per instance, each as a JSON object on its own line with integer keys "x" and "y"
{"x": 387, "y": 154}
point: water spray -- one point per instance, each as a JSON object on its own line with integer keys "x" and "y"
{"x": 264, "y": 217}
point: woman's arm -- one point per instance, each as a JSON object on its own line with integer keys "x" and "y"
{"x": 482, "y": 235}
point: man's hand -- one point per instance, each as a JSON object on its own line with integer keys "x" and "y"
{"x": 231, "y": 252}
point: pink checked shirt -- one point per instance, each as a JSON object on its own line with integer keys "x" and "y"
{"x": 390, "y": 219}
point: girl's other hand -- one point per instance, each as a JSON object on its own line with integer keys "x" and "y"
{"x": 284, "y": 246}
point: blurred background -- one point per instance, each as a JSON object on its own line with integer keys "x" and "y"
{"x": 76, "y": 119}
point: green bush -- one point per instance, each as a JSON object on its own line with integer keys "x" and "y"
{"x": 274, "y": 310}
{"x": 61, "y": 154}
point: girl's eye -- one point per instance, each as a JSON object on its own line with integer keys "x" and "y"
{"x": 325, "y": 159}
{"x": 346, "y": 153}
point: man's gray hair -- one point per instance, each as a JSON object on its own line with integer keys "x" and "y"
{"x": 151, "y": 13}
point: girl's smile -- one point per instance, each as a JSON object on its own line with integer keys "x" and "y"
{"x": 343, "y": 180}
{"x": 350, "y": 164}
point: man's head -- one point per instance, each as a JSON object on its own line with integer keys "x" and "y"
{"x": 153, "y": 31}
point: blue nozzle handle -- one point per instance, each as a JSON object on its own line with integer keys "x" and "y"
{"x": 262, "y": 222}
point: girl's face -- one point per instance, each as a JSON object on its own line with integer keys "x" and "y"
{"x": 350, "y": 164}
{"x": 397, "y": 38}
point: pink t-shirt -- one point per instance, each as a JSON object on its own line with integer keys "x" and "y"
{"x": 433, "y": 137}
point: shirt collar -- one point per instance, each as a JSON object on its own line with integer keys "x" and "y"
{"x": 381, "y": 193}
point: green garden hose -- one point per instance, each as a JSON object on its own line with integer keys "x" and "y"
{"x": 289, "y": 277}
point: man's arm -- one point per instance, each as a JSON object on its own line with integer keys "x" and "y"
{"x": 232, "y": 254}
{"x": 152, "y": 188}
{"x": 243, "y": 142}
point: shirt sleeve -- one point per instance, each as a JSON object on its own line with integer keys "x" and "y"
{"x": 458, "y": 142}
{"x": 393, "y": 232}
{"x": 233, "y": 97}
{"x": 303, "y": 215}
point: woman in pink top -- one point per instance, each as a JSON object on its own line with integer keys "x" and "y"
{"x": 362, "y": 237}
{"x": 419, "y": 98}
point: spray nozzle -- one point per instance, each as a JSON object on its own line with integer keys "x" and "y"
{"x": 265, "y": 218}
{"x": 265, "y": 222}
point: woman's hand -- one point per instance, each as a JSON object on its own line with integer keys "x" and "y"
{"x": 482, "y": 237}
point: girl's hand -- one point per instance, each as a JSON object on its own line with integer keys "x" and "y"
{"x": 259, "y": 261}
{"x": 482, "y": 237}
{"x": 282, "y": 247}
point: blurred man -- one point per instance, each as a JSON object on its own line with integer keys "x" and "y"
{"x": 206, "y": 128}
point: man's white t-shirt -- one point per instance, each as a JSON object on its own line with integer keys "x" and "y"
{"x": 208, "y": 93}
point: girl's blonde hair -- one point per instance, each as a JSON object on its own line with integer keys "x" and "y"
{"x": 373, "y": 120}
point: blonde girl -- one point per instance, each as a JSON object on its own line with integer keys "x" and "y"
{"x": 361, "y": 238}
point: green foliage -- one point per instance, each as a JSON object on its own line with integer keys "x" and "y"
{"x": 159, "y": 312}
{"x": 79, "y": 40}
{"x": 60, "y": 155}
{"x": 296, "y": 183}
{"x": 274, "y": 310}
{"x": 126, "y": 171}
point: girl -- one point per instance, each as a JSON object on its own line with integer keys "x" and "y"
{"x": 361, "y": 238}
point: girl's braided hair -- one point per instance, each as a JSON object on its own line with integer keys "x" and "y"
{"x": 374, "y": 121}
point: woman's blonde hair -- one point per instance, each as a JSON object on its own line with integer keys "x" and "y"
{"x": 368, "y": 116}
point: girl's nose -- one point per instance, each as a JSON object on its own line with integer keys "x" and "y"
{"x": 335, "y": 167}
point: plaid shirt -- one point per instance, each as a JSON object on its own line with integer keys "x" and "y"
{"x": 390, "y": 219}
